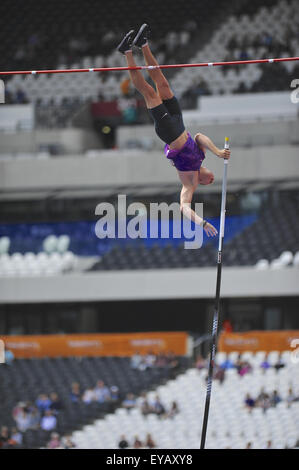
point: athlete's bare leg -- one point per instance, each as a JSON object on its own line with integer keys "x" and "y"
{"x": 157, "y": 75}
{"x": 152, "y": 98}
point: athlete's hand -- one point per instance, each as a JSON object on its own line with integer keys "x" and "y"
{"x": 224, "y": 153}
{"x": 210, "y": 230}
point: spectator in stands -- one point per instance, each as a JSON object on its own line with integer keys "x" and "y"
{"x": 266, "y": 40}
{"x": 227, "y": 326}
{"x": 261, "y": 395}
{"x": 20, "y": 97}
{"x": 290, "y": 397}
{"x": 22, "y": 417}
{"x": 263, "y": 400}
{"x": 16, "y": 437}
{"x": 129, "y": 402}
{"x": 67, "y": 443}
{"x": 219, "y": 374}
{"x": 17, "y": 409}
{"x": 265, "y": 364}
{"x": 75, "y": 394}
{"x": 137, "y": 443}
{"x": 125, "y": 86}
{"x": 171, "y": 42}
{"x": 150, "y": 359}
{"x": 48, "y": 421}
{"x": 174, "y": 409}
{"x": 242, "y": 88}
{"x": 4, "y": 437}
{"x": 88, "y": 396}
{"x": 189, "y": 98}
{"x": 9, "y": 357}
{"x": 244, "y": 368}
{"x": 227, "y": 364}
{"x": 56, "y": 404}
{"x": 54, "y": 441}
{"x": 43, "y": 403}
{"x": 279, "y": 364}
{"x": 238, "y": 363}
{"x": 128, "y": 108}
{"x": 114, "y": 393}
{"x": 161, "y": 361}
{"x": 136, "y": 360}
{"x": 102, "y": 392}
{"x": 143, "y": 364}
{"x": 123, "y": 443}
{"x": 150, "y": 443}
{"x": 146, "y": 408}
{"x": 275, "y": 398}
{"x": 34, "y": 418}
{"x": 243, "y": 55}
{"x": 158, "y": 407}
{"x": 249, "y": 402}
{"x": 269, "y": 445}
{"x": 172, "y": 361}
{"x": 200, "y": 363}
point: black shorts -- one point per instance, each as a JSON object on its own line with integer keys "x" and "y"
{"x": 168, "y": 120}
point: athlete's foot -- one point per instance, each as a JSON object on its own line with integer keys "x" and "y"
{"x": 142, "y": 36}
{"x": 126, "y": 43}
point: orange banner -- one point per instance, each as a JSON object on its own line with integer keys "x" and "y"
{"x": 259, "y": 341}
{"x": 96, "y": 344}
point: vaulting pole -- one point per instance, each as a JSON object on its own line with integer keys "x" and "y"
{"x": 217, "y": 302}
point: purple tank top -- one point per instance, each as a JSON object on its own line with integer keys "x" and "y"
{"x": 187, "y": 158}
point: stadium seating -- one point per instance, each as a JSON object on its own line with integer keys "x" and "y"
{"x": 257, "y": 33}
{"x": 267, "y": 32}
{"x": 89, "y": 40}
{"x": 25, "y": 379}
{"x": 266, "y": 239}
{"x": 262, "y": 238}
{"x": 230, "y": 424}
{"x": 30, "y": 264}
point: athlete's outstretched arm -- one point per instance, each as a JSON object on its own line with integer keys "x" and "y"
{"x": 207, "y": 143}
{"x": 185, "y": 204}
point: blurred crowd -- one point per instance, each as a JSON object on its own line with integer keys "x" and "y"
{"x": 10, "y": 438}
{"x": 42, "y": 414}
{"x": 100, "y": 393}
{"x": 167, "y": 361}
{"x": 136, "y": 443}
{"x": 264, "y": 400}
{"x": 155, "y": 406}
{"x": 268, "y": 400}
{"x": 13, "y": 439}
{"x": 17, "y": 97}
{"x": 274, "y": 45}
{"x": 39, "y": 415}
{"x": 242, "y": 366}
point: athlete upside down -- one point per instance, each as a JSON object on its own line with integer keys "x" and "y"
{"x": 186, "y": 153}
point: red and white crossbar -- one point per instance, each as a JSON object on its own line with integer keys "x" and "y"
{"x": 149, "y": 67}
